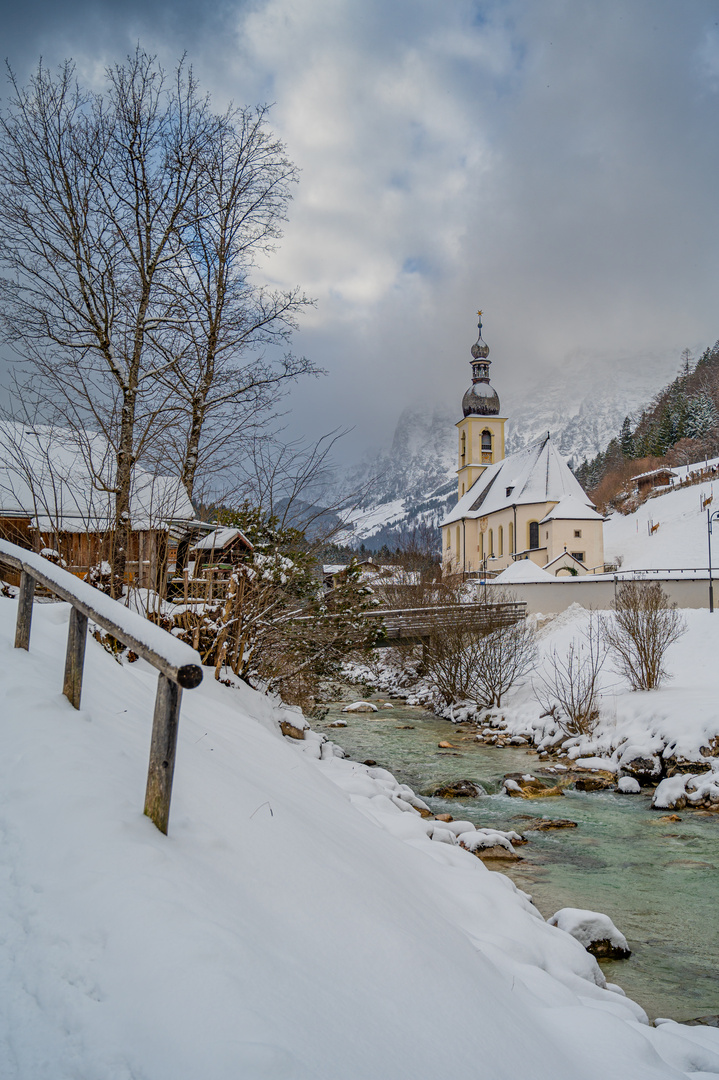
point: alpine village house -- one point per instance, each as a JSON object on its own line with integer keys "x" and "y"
{"x": 528, "y": 505}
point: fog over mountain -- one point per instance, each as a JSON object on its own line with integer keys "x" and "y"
{"x": 413, "y": 481}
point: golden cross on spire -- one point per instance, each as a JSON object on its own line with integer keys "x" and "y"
{"x": 479, "y": 313}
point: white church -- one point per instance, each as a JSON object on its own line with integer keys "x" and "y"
{"x": 525, "y": 506}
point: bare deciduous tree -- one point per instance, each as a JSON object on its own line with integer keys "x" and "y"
{"x": 642, "y": 628}
{"x": 129, "y": 223}
{"x": 466, "y": 663}
{"x": 217, "y": 364}
{"x": 498, "y": 660}
{"x": 568, "y": 690}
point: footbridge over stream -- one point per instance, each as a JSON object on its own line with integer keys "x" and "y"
{"x": 420, "y": 624}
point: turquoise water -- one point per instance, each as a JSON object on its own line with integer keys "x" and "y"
{"x": 658, "y": 880}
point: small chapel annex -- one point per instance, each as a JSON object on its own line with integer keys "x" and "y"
{"x": 528, "y": 505}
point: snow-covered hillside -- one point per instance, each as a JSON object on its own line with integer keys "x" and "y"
{"x": 679, "y": 539}
{"x": 297, "y": 923}
{"x": 415, "y": 480}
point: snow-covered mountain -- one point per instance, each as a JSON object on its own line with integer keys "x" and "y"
{"x": 414, "y": 481}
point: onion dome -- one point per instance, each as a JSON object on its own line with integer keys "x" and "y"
{"x": 481, "y": 399}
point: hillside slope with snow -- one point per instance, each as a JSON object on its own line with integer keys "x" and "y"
{"x": 679, "y": 539}
{"x": 296, "y": 924}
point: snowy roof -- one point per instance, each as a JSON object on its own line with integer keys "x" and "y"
{"x": 570, "y": 508}
{"x": 220, "y": 539}
{"x": 523, "y": 571}
{"x": 664, "y": 471}
{"x": 535, "y": 474}
{"x": 567, "y": 555}
{"x": 59, "y": 480}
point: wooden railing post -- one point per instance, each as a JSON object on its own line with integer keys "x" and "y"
{"x": 162, "y": 752}
{"x": 75, "y": 657}
{"x": 24, "y": 611}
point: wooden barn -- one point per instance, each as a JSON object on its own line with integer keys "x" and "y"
{"x": 55, "y": 496}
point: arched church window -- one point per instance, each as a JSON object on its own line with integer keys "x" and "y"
{"x": 486, "y": 440}
{"x": 463, "y": 449}
{"x": 534, "y": 534}
{"x": 500, "y": 541}
{"x": 491, "y": 543}
{"x": 481, "y": 545}
{"x": 511, "y": 538}
{"x": 456, "y": 537}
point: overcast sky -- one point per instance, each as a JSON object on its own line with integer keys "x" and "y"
{"x": 552, "y": 161}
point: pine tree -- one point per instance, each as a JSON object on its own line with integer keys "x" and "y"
{"x": 626, "y": 439}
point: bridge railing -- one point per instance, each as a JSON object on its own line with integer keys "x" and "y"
{"x": 398, "y": 623}
{"x": 178, "y": 665}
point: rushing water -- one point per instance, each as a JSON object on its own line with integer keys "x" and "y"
{"x": 658, "y": 880}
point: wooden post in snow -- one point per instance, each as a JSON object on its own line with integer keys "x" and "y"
{"x": 140, "y": 559}
{"x": 162, "y": 752}
{"x": 24, "y": 611}
{"x": 75, "y": 657}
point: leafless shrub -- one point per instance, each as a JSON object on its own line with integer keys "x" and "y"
{"x": 497, "y": 660}
{"x": 465, "y": 662}
{"x": 446, "y": 663}
{"x": 641, "y": 630}
{"x": 568, "y": 689}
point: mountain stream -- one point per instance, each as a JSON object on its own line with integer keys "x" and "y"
{"x": 657, "y": 879}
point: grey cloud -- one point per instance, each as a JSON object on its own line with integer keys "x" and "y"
{"x": 551, "y": 161}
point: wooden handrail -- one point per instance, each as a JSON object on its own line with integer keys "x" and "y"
{"x": 178, "y": 665}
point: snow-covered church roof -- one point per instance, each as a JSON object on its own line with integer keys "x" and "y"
{"x": 536, "y": 474}
{"x": 60, "y": 480}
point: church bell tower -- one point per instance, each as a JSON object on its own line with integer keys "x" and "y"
{"x": 481, "y": 430}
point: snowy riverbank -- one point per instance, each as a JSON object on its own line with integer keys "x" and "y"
{"x": 296, "y": 923}
{"x": 650, "y": 734}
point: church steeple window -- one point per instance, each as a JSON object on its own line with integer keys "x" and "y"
{"x": 463, "y": 449}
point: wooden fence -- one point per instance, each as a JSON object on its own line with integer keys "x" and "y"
{"x": 177, "y": 664}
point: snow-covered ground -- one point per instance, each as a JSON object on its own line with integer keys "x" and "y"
{"x": 296, "y": 923}
{"x": 680, "y": 539}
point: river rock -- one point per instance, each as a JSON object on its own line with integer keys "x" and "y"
{"x": 360, "y": 706}
{"x": 338, "y": 723}
{"x": 671, "y": 793}
{"x": 595, "y": 931}
{"x": 704, "y": 1021}
{"x": 446, "y": 746}
{"x": 526, "y": 786}
{"x": 497, "y": 851}
{"x": 593, "y": 783}
{"x": 291, "y": 730}
{"x": 627, "y": 785}
{"x": 675, "y": 764}
{"x": 712, "y": 750}
{"x": 545, "y": 824}
{"x": 460, "y": 789}
{"x": 647, "y": 770}
{"x": 443, "y": 817}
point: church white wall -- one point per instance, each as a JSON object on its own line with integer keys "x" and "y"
{"x": 551, "y": 597}
{"x": 558, "y": 535}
